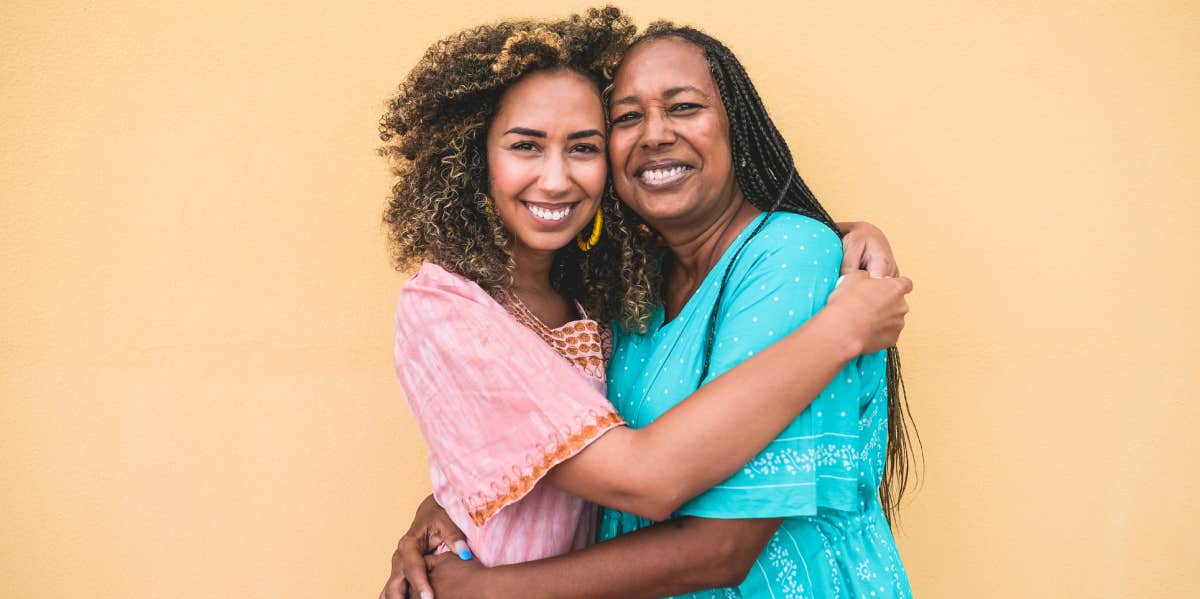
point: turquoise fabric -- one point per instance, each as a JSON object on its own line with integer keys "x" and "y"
{"x": 822, "y": 472}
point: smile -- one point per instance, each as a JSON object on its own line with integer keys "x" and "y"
{"x": 550, "y": 214}
{"x": 664, "y": 176}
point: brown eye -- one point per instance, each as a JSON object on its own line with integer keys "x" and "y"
{"x": 684, "y": 107}
{"x": 626, "y": 117}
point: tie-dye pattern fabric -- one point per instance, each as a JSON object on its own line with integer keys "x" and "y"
{"x": 498, "y": 407}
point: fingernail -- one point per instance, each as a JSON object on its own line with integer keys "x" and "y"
{"x": 460, "y": 547}
{"x": 426, "y": 595}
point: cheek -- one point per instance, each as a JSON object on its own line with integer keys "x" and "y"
{"x": 591, "y": 177}
{"x": 620, "y": 145}
{"x": 505, "y": 178}
{"x": 718, "y": 152}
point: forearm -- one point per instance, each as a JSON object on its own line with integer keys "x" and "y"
{"x": 671, "y": 558}
{"x": 718, "y": 429}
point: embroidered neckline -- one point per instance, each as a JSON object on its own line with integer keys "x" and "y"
{"x": 512, "y": 300}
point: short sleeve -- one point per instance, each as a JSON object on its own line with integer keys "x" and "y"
{"x": 496, "y": 405}
{"x": 784, "y": 277}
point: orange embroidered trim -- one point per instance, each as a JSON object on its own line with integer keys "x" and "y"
{"x": 481, "y": 507}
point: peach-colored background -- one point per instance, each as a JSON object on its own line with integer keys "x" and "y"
{"x": 196, "y": 396}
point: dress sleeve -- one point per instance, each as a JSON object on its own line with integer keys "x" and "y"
{"x": 815, "y": 461}
{"x": 497, "y": 406}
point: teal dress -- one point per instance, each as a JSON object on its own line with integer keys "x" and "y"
{"x": 822, "y": 473}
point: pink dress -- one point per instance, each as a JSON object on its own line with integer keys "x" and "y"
{"x": 500, "y": 400}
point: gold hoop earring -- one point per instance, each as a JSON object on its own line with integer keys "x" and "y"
{"x": 595, "y": 238}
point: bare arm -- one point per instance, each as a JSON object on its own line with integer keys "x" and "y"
{"x": 704, "y": 439}
{"x": 670, "y": 558}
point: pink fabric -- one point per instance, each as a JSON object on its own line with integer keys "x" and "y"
{"x": 498, "y": 408}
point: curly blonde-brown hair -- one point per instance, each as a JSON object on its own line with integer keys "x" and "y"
{"x": 434, "y": 132}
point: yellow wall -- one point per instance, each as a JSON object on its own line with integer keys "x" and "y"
{"x": 196, "y": 396}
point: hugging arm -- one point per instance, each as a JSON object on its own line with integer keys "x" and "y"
{"x": 704, "y": 439}
{"x": 701, "y": 441}
{"x": 670, "y": 558}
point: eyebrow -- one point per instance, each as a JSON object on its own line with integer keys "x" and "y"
{"x": 586, "y": 133}
{"x": 670, "y": 93}
{"x": 527, "y": 132}
{"x": 542, "y": 134}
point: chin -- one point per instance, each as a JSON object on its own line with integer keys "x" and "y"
{"x": 547, "y": 243}
{"x": 665, "y": 211}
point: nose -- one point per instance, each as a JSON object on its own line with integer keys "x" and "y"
{"x": 657, "y": 130}
{"x": 555, "y": 179}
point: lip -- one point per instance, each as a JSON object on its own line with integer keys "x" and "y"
{"x": 665, "y": 183}
{"x": 549, "y": 206}
{"x": 661, "y": 163}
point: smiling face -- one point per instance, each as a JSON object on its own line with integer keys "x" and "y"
{"x": 669, "y": 144}
{"x": 545, "y": 153}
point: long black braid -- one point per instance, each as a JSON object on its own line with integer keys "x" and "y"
{"x": 766, "y": 172}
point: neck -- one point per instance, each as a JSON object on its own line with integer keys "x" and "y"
{"x": 697, "y": 249}
{"x": 532, "y": 270}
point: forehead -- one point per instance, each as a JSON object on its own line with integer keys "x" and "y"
{"x": 662, "y": 64}
{"x": 551, "y": 97}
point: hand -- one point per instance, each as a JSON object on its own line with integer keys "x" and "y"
{"x": 864, "y": 246}
{"x": 453, "y": 578}
{"x": 872, "y": 309}
{"x": 431, "y": 527}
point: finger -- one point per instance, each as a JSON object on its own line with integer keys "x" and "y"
{"x": 461, "y": 550}
{"x": 412, "y": 564}
{"x": 852, "y": 255}
{"x": 433, "y": 561}
{"x": 394, "y": 589}
{"x": 906, "y": 284}
{"x": 453, "y": 537}
{"x": 856, "y": 275}
{"x": 879, "y": 268}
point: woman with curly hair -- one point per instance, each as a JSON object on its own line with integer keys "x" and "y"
{"x": 500, "y": 138}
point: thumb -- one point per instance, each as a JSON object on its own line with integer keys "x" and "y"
{"x": 852, "y": 254}
{"x": 459, "y": 544}
{"x": 878, "y": 269}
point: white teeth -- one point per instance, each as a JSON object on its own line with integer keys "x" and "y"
{"x": 655, "y": 175}
{"x": 549, "y": 214}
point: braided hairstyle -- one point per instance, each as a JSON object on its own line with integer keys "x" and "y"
{"x": 767, "y": 175}
{"x": 435, "y": 130}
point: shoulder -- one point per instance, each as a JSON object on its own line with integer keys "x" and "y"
{"x": 430, "y": 277}
{"x": 433, "y": 292}
{"x": 789, "y": 240}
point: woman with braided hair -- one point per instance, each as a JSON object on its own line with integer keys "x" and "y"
{"x": 500, "y": 137}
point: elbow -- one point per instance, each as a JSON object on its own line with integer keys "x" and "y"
{"x": 733, "y": 567}
{"x": 733, "y": 560}
{"x": 652, "y": 507}
{"x": 732, "y": 575}
{"x": 656, "y": 497}
{"x": 666, "y": 501}
{"x": 659, "y": 509}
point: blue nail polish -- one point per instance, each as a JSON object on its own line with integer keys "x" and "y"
{"x": 464, "y": 554}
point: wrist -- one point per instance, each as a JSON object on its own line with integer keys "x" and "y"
{"x": 839, "y": 330}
